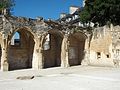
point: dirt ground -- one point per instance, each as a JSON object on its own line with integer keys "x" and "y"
{"x": 72, "y": 78}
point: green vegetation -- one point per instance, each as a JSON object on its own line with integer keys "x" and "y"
{"x": 6, "y": 4}
{"x": 101, "y": 12}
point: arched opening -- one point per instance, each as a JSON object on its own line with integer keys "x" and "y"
{"x": 52, "y": 50}
{"x": 20, "y": 51}
{"x": 76, "y": 48}
{"x": 15, "y": 39}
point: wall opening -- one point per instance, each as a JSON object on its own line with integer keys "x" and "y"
{"x": 76, "y": 49}
{"x": 98, "y": 55}
{"x": 20, "y": 51}
{"x": 52, "y": 50}
{"x": 108, "y": 56}
{"x": 16, "y": 39}
{"x": 46, "y": 45}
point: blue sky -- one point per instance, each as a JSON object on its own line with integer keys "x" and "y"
{"x": 44, "y": 8}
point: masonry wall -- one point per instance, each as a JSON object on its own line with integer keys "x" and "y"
{"x": 18, "y": 58}
{"x": 101, "y": 47}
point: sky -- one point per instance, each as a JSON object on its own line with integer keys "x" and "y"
{"x": 43, "y": 8}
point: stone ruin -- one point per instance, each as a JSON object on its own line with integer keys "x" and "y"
{"x": 56, "y": 43}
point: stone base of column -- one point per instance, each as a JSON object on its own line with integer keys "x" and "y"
{"x": 67, "y": 65}
{"x": 37, "y": 68}
{"x": 40, "y": 66}
{"x": 63, "y": 65}
{"x": 37, "y": 65}
{"x": 5, "y": 67}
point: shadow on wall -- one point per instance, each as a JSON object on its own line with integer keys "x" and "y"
{"x": 52, "y": 50}
{"x": 20, "y": 51}
{"x": 76, "y": 49}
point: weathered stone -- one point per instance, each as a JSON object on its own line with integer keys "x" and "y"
{"x": 25, "y": 77}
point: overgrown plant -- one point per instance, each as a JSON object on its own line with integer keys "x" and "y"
{"x": 6, "y": 4}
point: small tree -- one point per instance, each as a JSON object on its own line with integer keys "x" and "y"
{"x": 6, "y": 5}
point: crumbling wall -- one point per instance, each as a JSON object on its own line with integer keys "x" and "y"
{"x": 101, "y": 46}
{"x": 116, "y": 45}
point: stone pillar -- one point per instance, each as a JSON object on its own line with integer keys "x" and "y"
{"x": 37, "y": 59}
{"x": 86, "y": 60}
{"x": 64, "y": 52}
{"x": 4, "y": 57}
{"x": 37, "y": 62}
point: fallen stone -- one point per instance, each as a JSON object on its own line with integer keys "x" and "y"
{"x": 25, "y": 77}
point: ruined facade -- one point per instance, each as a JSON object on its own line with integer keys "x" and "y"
{"x": 61, "y": 43}
{"x": 41, "y": 44}
{"x": 104, "y": 46}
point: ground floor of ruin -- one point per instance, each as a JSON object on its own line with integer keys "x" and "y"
{"x": 72, "y": 78}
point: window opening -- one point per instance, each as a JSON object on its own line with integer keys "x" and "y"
{"x": 108, "y": 56}
{"x": 15, "y": 39}
{"x": 98, "y": 55}
{"x": 46, "y": 45}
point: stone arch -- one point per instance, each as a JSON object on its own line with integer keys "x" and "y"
{"x": 20, "y": 55}
{"x": 27, "y": 29}
{"x": 76, "y": 48}
{"x": 52, "y": 55}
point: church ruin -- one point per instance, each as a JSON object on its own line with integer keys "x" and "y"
{"x": 61, "y": 43}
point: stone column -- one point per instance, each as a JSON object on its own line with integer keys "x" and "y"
{"x": 86, "y": 60}
{"x": 64, "y": 52}
{"x": 37, "y": 62}
{"x": 4, "y": 57}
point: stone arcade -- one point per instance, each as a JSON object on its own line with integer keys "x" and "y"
{"x": 61, "y": 43}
